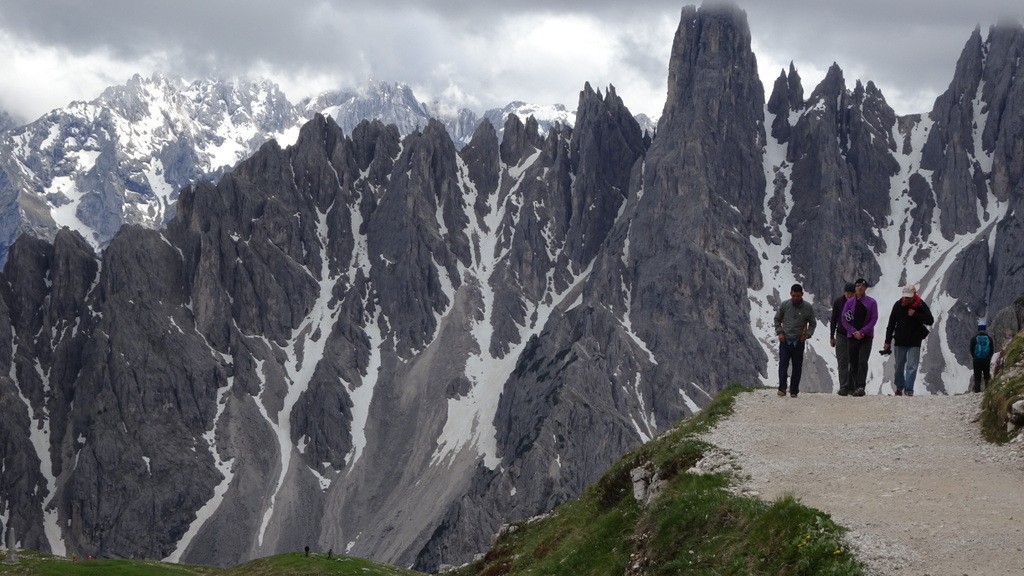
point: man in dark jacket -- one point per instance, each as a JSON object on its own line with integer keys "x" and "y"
{"x": 907, "y": 328}
{"x": 838, "y": 340}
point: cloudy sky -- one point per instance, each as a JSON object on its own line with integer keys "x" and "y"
{"x": 473, "y": 53}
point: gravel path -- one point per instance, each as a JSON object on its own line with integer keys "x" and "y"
{"x": 921, "y": 492}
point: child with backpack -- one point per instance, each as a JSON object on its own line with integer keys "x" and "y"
{"x": 982, "y": 349}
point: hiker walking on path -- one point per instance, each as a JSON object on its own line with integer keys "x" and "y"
{"x": 907, "y": 328}
{"x": 794, "y": 324}
{"x": 837, "y": 337}
{"x": 859, "y": 316}
{"x": 982, "y": 349}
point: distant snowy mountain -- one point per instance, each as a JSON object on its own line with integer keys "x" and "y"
{"x": 647, "y": 124}
{"x": 390, "y": 103}
{"x": 397, "y": 104}
{"x": 122, "y": 158}
{"x": 546, "y": 116}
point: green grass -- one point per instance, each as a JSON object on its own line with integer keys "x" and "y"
{"x": 697, "y": 526}
{"x": 295, "y": 564}
{"x": 1003, "y": 391}
{"x": 40, "y": 564}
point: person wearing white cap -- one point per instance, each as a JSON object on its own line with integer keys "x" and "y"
{"x": 908, "y": 327}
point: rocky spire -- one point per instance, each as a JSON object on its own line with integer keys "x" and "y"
{"x": 951, "y": 144}
{"x": 691, "y": 208}
{"x": 796, "y": 89}
{"x": 787, "y": 96}
{"x": 608, "y": 143}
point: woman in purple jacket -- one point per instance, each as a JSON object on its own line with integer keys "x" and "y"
{"x": 860, "y": 314}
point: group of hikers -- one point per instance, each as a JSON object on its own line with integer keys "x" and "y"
{"x": 851, "y": 333}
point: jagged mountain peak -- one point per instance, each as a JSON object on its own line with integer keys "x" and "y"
{"x": 373, "y": 93}
{"x": 830, "y": 89}
{"x": 259, "y": 102}
{"x": 610, "y": 98}
{"x": 392, "y": 102}
{"x": 714, "y": 34}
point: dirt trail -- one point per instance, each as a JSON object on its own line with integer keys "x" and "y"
{"x": 920, "y": 490}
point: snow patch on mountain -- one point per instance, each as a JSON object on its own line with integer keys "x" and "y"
{"x": 224, "y": 466}
{"x": 776, "y": 266}
{"x": 469, "y": 420}
{"x": 39, "y": 433}
{"x": 304, "y": 352}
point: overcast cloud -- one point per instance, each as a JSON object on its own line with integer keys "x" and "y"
{"x": 478, "y": 54}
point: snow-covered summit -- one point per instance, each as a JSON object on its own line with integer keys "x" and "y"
{"x": 122, "y": 158}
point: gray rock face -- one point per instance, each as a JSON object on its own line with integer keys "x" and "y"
{"x": 620, "y": 356}
{"x": 384, "y": 344}
{"x": 951, "y": 146}
{"x": 831, "y": 146}
{"x": 1003, "y": 100}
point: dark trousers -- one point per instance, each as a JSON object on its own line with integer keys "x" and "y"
{"x": 791, "y": 351}
{"x": 843, "y": 359}
{"x": 860, "y": 351}
{"x": 982, "y": 369}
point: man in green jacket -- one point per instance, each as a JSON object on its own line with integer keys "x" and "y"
{"x": 794, "y": 324}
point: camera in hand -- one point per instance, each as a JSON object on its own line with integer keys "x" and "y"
{"x": 885, "y": 352}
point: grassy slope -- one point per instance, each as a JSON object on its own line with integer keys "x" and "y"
{"x": 295, "y": 564}
{"x": 39, "y": 564}
{"x": 697, "y": 526}
{"x": 1006, "y": 388}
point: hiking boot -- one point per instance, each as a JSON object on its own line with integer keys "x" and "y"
{"x": 908, "y": 393}
{"x": 899, "y": 392}
{"x": 782, "y": 392}
{"x": 792, "y": 394}
{"x": 844, "y": 392}
{"x": 858, "y": 392}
